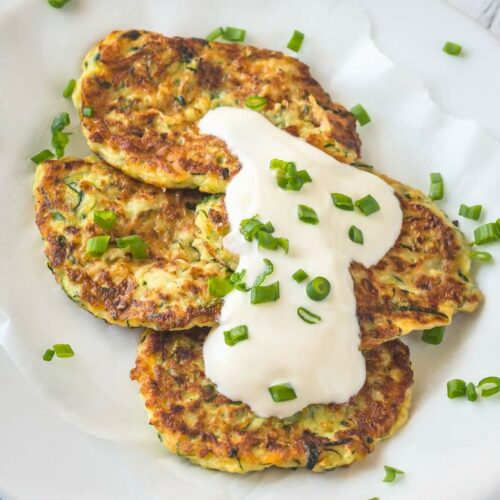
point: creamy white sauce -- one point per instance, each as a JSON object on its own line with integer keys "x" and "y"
{"x": 322, "y": 361}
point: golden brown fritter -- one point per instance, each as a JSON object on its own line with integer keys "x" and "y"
{"x": 169, "y": 288}
{"x": 419, "y": 284}
{"x": 147, "y": 93}
{"x": 194, "y": 421}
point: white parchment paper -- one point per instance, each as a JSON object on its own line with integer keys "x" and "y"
{"x": 445, "y": 443}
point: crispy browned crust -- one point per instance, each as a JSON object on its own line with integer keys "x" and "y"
{"x": 148, "y": 92}
{"x": 195, "y": 421}
{"x": 168, "y": 289}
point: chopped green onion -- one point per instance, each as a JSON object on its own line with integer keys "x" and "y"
{"x": 308, "y": 316}
{"x": 105, "y": 218}
{"x": 436, "y": 189}
{"x": 453, "y": 49}
{"x": 236, "y": 334}
{"x": 284, "y": 244}
{"x": 42, "y": 156}
{"x": 97, "y": 245}
{"x": 434, "y": 335}
{"x": 473, "y": 212}
{"x": 60, "y": 122}
{"x": 233, "y": 34}
{"x": 255, "y": 102}
{"x": 296, "y": 41}
{"x": 300, "y": 275}
{"x": 304, "y": 176}
{"x": 137, "y": 246}
{"x": 268, "y": 227}
{"x": 238, "y": 280}
{"x": 264, "y": 274}
{"x": 219, "y": 287}
{"x": 267, "y": 293}
{"x": 487, "y": 233}
{"x": 356, "y": 235}
{"x": 282, "y": 392}
{"x": 342, "y": 201}
{"x": 59, "y": 142}
{"x": 368, "y": 205}
{"x": 482, "y": 256}
{"x": 361, "y": 114}
{"x": 88, "y": 111}
{"x": 470, "y": 392}
{"x": 287, "y": 176}
{"x": 216, "y": 33}
{"x": 456, "y": 388}
{"x": 267, "y": 240}
{"x": 307, "y": 214}
{"x": 69, "y": 89}
{"x": 390, "y": 473}
{"x": 276, "y": 164}
{"x": 48, "y": 355}
{"x": 250, "y": 227}
{"x": 318, "y": 288}
{"x": 63, "y": 350}
{"x": 58, "y": 4}
{"x": 492, "y": 386}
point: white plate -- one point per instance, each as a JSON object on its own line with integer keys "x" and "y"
{"x": 445, "y": 444}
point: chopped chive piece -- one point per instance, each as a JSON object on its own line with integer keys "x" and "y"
{"x": 58, "y": 4}
{"x": 318, "y": 288}
{"x": 287, "y": 176}
{"x": 304, "y": 176}
{"x": 267, "y": 293}
{"x": 255, "y": 102}
{"x": 300, "y": 275}
{"x": 97, "y": 245}
{"x": 434, "y": 335}
{"x": 307, "y": 214}
{"x": 284, "y": 244}
{"x": 88, "y": 111}
{"x": 473, "y": 212}
{"x": 238, "y": 281}
{"x": 342, "y": 201}
{"x": 60, "y": 122}
{"x": 48, "y": 355}
{"x": 219, "y": 287}
{"x": 42, "y": 156}
{"x": 482, "y": 256}
{"x": 268, "y": 227}
{"x": 216, "y": 33}
{"x": 470, "y": 391}
{"x": 137, "y": 246}
{"x": 368, "y": 205}
{"x": 236, "y": 334}
{"x": 308, "y": 316}
{"x": 296, "y": 41}
{"x": 233, "y": 34}
{"x": 453, "y": 49}
{"x": 105, "y": 218}
{"x": 436, "y": 189}
{"x": 492, "y": 386}
{"x": 69, "y": 89}
{"x": 267, "y": 240}
{"x": 391, "y": 473}
{"x": 264, "y": 274}
{"x": 250, "y": 227}
{"x": 282, "y": 392}
{"x": 356, "y": 235}
{"x": 361, "y": 114}
{"x": 276, "y": 164}
{"x": 63, "y": 350}
{"x": 59, "y": 142}
{"x": 487, "y": 233}
{"x": 456, "y": 388}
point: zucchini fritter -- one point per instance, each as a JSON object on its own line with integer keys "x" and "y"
{"x": 168, "y": 288}
{"x": 420, "y": 283}
{"x": 194, "y": 421}
{"x": 147, "y": 93}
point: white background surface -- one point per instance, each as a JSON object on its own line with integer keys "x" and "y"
{"x": 42, "y": 456}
